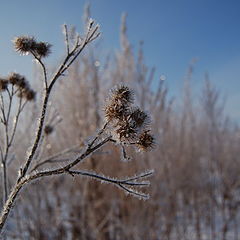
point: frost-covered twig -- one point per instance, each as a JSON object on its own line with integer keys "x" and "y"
{"x": 65, "y": 32}
{"x": 54, "y": 158}
{"x": 122, "y": 183}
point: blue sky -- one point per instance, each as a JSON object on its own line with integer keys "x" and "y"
{"x": 174, "y": 32}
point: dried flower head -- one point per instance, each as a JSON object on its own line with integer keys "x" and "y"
{"x": 24, "y": 44}
{"x": 125, "y": 132}
{"x": 115, "y": 111}
{"x": 28, "y": 94}
{"x": 128, "y": 123}
{"x": 119, "y": 103}
{"x": 17, "y": 79}
{"x": 123, "y": 94}
{"x": 3, "y": 85}
{"x": 48, "y": 129}
{"x": 42, "y": 49}
{"x": 139, "y": 118}
{"x": 145, "y": 141}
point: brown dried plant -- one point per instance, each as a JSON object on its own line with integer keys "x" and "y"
{"x": 125, "y": 125}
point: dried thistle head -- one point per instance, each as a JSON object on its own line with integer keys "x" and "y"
{"x": 24, "y": 89}
{"x": 42, "y": 49}
{"x": 3, "y": 85}
{"x": 139, "y": 118}
{"x": 128, "y": 123}
{"x": 24, "y": 44}
{"x": 29, "y": 94}
{"x": 18, "y": 80}
{"x": 48, "y": 129}
{"x": 119, "y": 103}
{"x": 145, "y": 141}
{"x": 125, "y": 132}
{"x": 115, "y": 111}
{"x": 122, "y": 94}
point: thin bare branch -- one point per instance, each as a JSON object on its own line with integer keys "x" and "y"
{"x": 16, "y": 120}
{"x": 98, "y": 135}
{"x": 65, "y": 32}
{"x": 38, "y": 59}
{"x": 54, "y": 157}
{"x": 133, "y": 192}
{"x": 108, "y": 179}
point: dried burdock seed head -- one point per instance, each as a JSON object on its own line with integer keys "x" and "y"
{"x": 125, "y": 132}
{"x": 26, "y": 93}
{"x": 29, "y": 94}
{"x": 42, "y": 49}
{"x": 128, "y": 123}
{"x": 139, "y": 118}
{"x": 145, "y": 141}
{"x": 115, "y": 111}
{"x": 24, "y": 44}
{"x": 21, "y": 93}
{"x": 123, "y": 94}
{"x": 3, "y": 85}
{"x": 48, "y": 129}
{"x": 119, "y": 101}
{"x": 17, "y": 79}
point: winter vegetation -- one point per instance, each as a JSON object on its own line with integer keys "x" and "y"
{"x": 86, "y": 132}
